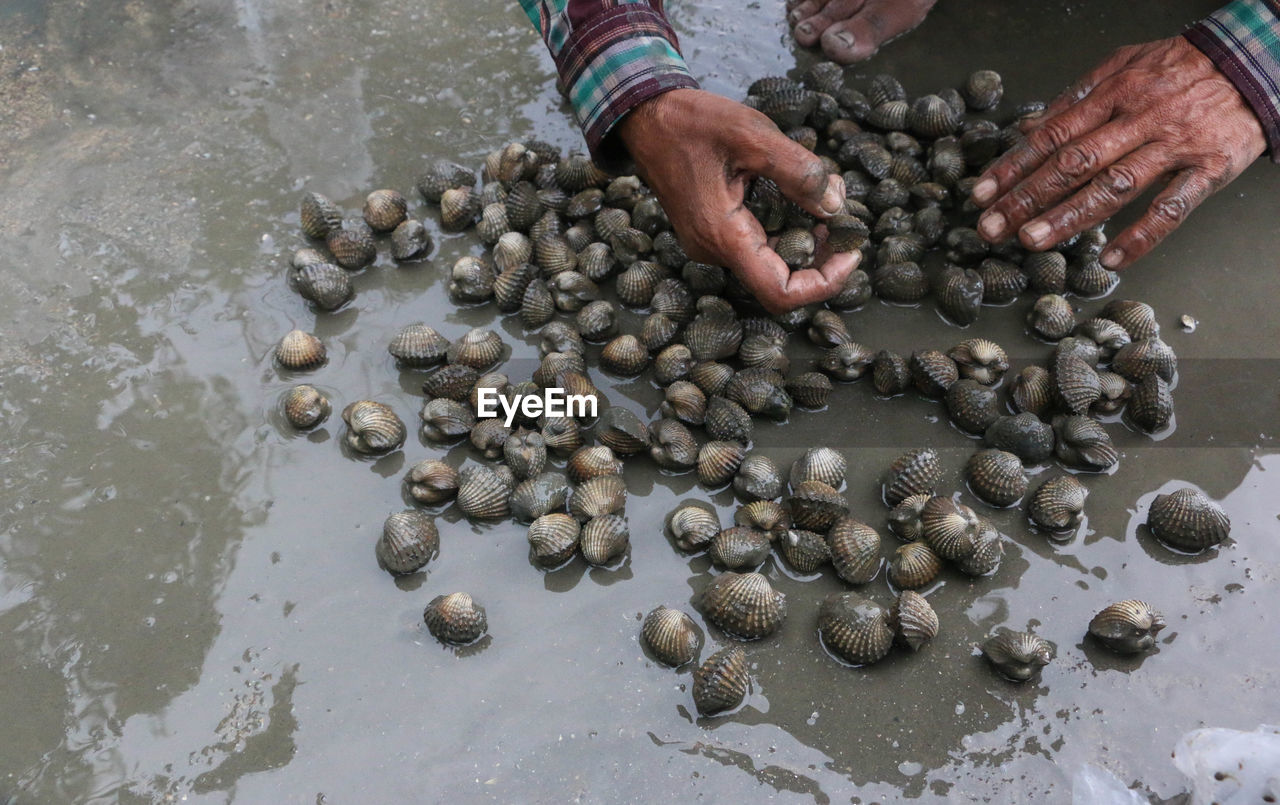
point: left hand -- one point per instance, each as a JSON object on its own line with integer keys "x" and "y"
{"x": 1155, "y": 112}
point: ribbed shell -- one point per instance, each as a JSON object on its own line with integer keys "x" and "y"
{"x": 1083, "y": 443}
{"x": 988, "y": 551}
{"x": 915, "y": 472}
{"x": 1137, "y": 318}
{"x": 1024, "y": 435}
{"x": 905, "y": 518}
{"x": 932, "y": 372}
{"x": 1058, "y": 503}
{"x": 373, "y": 427}
{"x": 625, "y": 356}
{"x": 452, "y": 382}
{"x": 431, "y": 481}
{"x": 622, "y": 431}
{"x": 455, "y": 619}
{"x": 693, "y": 526}
{"x": 740, "y": 548}
{"x": 1046, "y": 272}
{"x": 604, "y": 494}
{"x": 304, "y": 406}
{"x": 1127, "y": 627}
{"x": 418, "y": 345}
{"x": 1151, "y": 405}
{"x": 478, "y": 348}
{"x": 672, "y": 364}
{"x": 409, "y": 540}
{"x": 846, "y": 362}
{"x": 445, "y": 420}
{"x": 914, "y": 565}
{"x": 996, "y": 476}
{"x": 809, "y": 390}
{"x": 1136, "y": 360}
{"x": 815, "y": 506}
{"x": 562, "y": 434}
{"x": 441, "y": 176}
{"x": 591, "y": 462}
{"x": 483, "y": 494}
{"x": 1017, "y": 655}
{"x": 300, "y": 351}
{"x": 539, "y": 495}
{"x": 980, "y": 359}
{"x": 758, "y": 478}
{"x": 323, "y": 284}
{"x": 959, "y": 292}
{"x": 684, "y": 401}
{"x": 914, "y": 620}
{"x": 744, "y": 605}
{"x": 1002, "y": 281}
{"x": 525, "y": 452}
{"x": 950, "y": 528}
{"x": 1051, "y": 317}
{"x": 727, "y": 421}
{"x": 1188, "y": 520}
{"x": 711, "y": 377}
{"x": 603, "y": 539}
{"x": 319, "y": 215}
{"x": 672, "y": 446}
{"x": 1032, "y": 390}
{"x": 472, "y": 279}
{"x": 891, "y": 374}
{"x": 410, "y": 240}
{"x": 712, "y": 338}
{"x": 721, "y": 682}
{"x": 1076, "y": 383}
{"x": 973, "y": 407}
{"x": 459, "y": 207}
{"x": 819, "y": 464}
{"x": 805, "y": 551}
{"x": 854, "y": 628}
{"x": 983, "y": 90}
{"x": 769, "y": 516}
{"x": 384, "y": 210}
{"x": 658, "y": 331}
{"x": 553, "y": 539}
{"x": 672, "y": 636}
{"x": 855, "y": 550}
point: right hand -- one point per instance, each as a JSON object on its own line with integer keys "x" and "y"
{"x": 853, "y": 30}
{"x": 697, "y": 151}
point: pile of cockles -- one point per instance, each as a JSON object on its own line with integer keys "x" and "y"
{"x": 568, "y": 249}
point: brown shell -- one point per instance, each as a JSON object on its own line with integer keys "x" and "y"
{"x": 472, "y": 279}
{"x": 915, "y": 472}
{"x": 805, "y": 551}
{"x": 721, "y": 683}
{"x": 658, "y": 331}
{"x": 718, "y": 462}
{"x": 323, "y": 284}
{"x": 672, "y": 446}
{"x": 959, "y": 293}
{"x": 819, "y": 464}
{"x": 684, "y": 401}
{"x": 484, "y": 494}
{"x": 1188, "y": 520}
{"x": 973, "y": 407}
{"x": 319, "y": 215}
{"x": 410, "y": 240}
{"x": 996, "y": 476}
{"x": 988, "y": 551}
{"x": 300, "y": 351}
{"x": 1046, "y": 272}
{"x": 809, "y": 390}
{"x": 950, "y": 528}
{"x": 455, "y": 619}
{"x": 932, "y": 372}
{"x": 384, "y": 210}
{"x": 441, "y": 176}
{"x": 596, "y": 497}
{"x": 539, "y": 495}
{"x": 305, "y": 407}
{"x": 445, "y": 420}
{"x": 453, "y": 382}
{"x": 672, "y": 636}
{"x": 1059, "y": 503}
{"x": 553, "y": 539}
{"x": 603, "y": 539}
{"x": 744, "y": 605}
{"x": 914, "y": 620}
{"x": 905, "y": 518}
{"x": 418, "y": 345}
{"x": 1024, "y": 435}
{"x": 459, "y": 207}
{"x": 1127, "y": 627}
{"x": 727, "y": 421}
{"x": 1076, "y": 383}
{"x": 372, "y": 427}
{"x": 758, "y": 478}
{"x": 769, "y": 516}
{"x": 622, "y": 431}
{"x": 854, "y": 628}
{"x": 636, "y": 285}
{"x": 711, "y": 377}
{"x": 855, "y": 550}
{"x": 562, "y": 434}
{"x": 591, "y": 462}
{"x": 980, "y": 359}
{"x": 1017, "y": 655}
{"x": 1052, "y": 317}
{"x": 693, "y": 526}
{"x": 1083, "y": 442}
{"x": 891, "y": 374}
{"x": 914, "y": 565}
{"x": 478, "y": 348}
{"x": 1137, "y": 318}
{"x": 740, "y": 548}
{"x": 712, "y": 338}
{"x": 1136, "y": 360}
{"x": 815, "y": 506}
{"x": 409, "y": 540}
{"x": 672, "y": 364}
{"x": 431, "y": 481}
{"x": 624, "y": 356}
{"x": 1151, "y": 405}
{"x": 983, "y": 90}
{"x": 1032, "y": 390}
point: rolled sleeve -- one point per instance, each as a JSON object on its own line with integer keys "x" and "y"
{"x": 1243, "y": 40}
{"x": 611, "y": 56}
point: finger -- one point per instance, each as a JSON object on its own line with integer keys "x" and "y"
{"x": 764, "y": 274}
{"x": 1065, "y": 171}
{"x": 1080, "y": 90}
{"x": 763, "y": 150}
{"x": 858, "y": 37}
{"x": 1169, "y": 209}
{"x": 806, "y": 7}
{"x": 1018, "y": 162}
{"x": 812, "y": 26}
{"x": 1113, "y": 187}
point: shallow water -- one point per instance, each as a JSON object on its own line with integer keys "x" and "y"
{"x": 189, "y": 602}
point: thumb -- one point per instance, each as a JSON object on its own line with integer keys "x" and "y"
{"x": 797, "y": 171}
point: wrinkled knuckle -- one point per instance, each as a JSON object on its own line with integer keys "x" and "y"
{"x": 1050, "y": 137}
{"x": 1172, "y": 210}
{"x": 1022, "y": 201}
{"x": 1117, "y": 180}
{"x": 1079, "y": 160}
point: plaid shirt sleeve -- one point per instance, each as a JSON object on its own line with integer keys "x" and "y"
{"x": 611, "y": 55}
{"x": 1243, "y": 39}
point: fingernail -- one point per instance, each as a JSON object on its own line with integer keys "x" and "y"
{"x": 1037, "y": 232}
{"x": 804, "y": 28}
{"x": 1112, "y": 257}
{"x": 794, "y": 16}
{"x": 845, "y": 38}
{"x": 992, "y": 225}
{"x": 833, "y": 198}
{"x": 984, "y": 190}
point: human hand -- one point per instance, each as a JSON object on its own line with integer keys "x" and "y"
{"x": 853, "y": 30}
{"x": 1155, "y": 112}
{"x": 697, "y": 151}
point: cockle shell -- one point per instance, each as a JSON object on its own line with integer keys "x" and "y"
{"x": 1137, "y": 318}
{"x": 718, "y": 462}
{"x": 418, "y": 345}
{"x": 597, "y": 320}
{"x": 658, "y": 331}
{"x": 553, "y": 539}
{"x": 1188, "y": 520}
{"x": 1150, "y": 406}
{"x": 1002, "y": 281}
{"x": 988, "y": 551}
{"x": 384, "y": 210}
{"x": 478, "y": 348}
{"x": 596, "y": 497}
{"x": 409, "y": 540}
{"x": 684, "y": 401}
{"x": 915, "y": 472}
{"x": 372, "y": 427}
{"x": 672, "y": 636}
{"x": 809, "y": 390}
{"x": 455, "y": 619}
{"x": 484, "y": 494}
{"x": 890, "y": 373}
{"x": 1017, "y": 655}
{"x": 1059, "y": 503}
{"x": 805, "y": 551}
{"x": 913, "y": 619}
{"x": 1046, "y": 272}
{"x": 539, "y": 495}
{"x": 300, "y": 351}
{"x": 352, "y": 245}
{"x": 472, "y": 279}
{"x": 459, "y": 207}
{"x": 855, "y": 550}
{"x": 693, "y": 526}
{"x": 854, "y": 628}
{"x": 905, "y": 518}
{"x": 959, "y": 292}
{"x": 721, "y": 682}
{"x": 672, "y": 446}
{"x": 441, "y": 176}
{"x": 1137, "y": 359}
{"x": 1024, "y": 435}
{"x": 740, "y": 548}
{"x": 819, "y": 464}
{"x": 410, "y": 240}
{"x": 1127, "y": 627}
{"x": 672, "y": 364}
{"x": 933, "y": 372}
{"x": 319, "y": 215}
{"x": 625, "y": 356}
{"x": 1032, "y": 390}
{"x": 815, "y": 506}
{"x": 768, "y": 516}
{"x": 996, "y": 476}
{"x": 711, "y": 377}
{"x": 622, "y": 431}
{"x": 453, "y": 382}
{"x": 758, "y": 478}
{"x": 983, "y": 90}
{"x": 304, "y": 407}
{"x": 590, "y": 462}
{"x": 950, "y": 528}
{"x": 525, "y": 452}
{"x": 1052, "y": 317}
{"x": 445, "y": 420}
{"x": 727, "y": 421}
{"x": 743, "y": 604}
{"x": 603, "y": 539}
{"x": 562, "y": 434}
{"x": 914, "y": 565}
{"x": 324, "y": 284}
{"x": 1076, "y": 383}
{"x": 980, "y": 359}
{"x": 431, "y": 481}
{"x": 1083, "y": 443}
{"x": 973, "y": 407}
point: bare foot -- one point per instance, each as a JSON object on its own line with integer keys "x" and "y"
{"x": 853, "y": 30}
